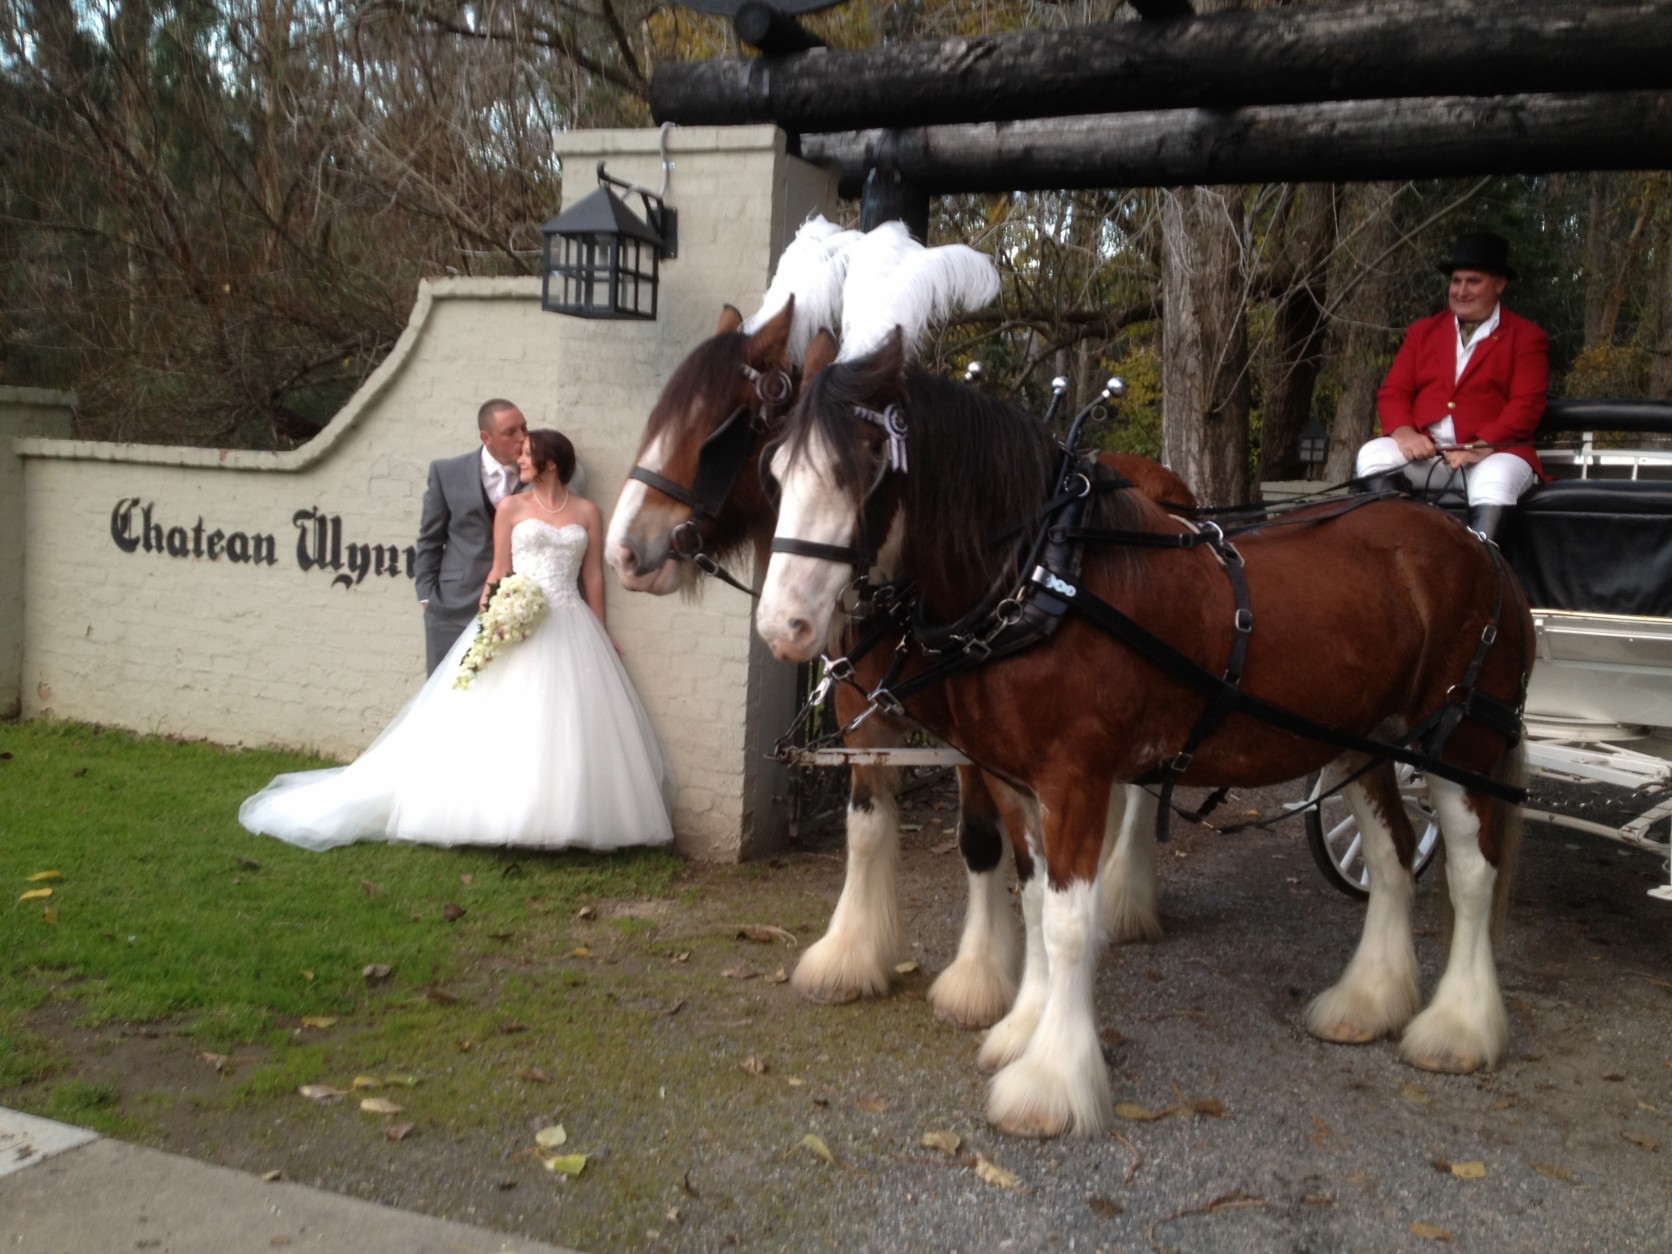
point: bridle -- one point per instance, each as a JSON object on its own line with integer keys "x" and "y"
{"x": 874, "y": 507}
{"x": 719, "y": 462}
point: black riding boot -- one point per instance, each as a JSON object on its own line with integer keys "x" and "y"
{"x": 1484, "y": 519}
{"x": 1383, "y": 481}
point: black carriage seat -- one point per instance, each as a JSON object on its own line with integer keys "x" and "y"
{"x": 1598, "y": 545}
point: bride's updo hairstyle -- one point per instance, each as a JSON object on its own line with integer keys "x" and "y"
{"x": 551, "y": 448}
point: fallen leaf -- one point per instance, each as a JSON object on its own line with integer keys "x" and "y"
{"x": 1105, "y": 1207}
{"x": 464, "y": 1047}
{"x": 220, "y": 1062}
{"x": 269, "y": 1176}
{"x": 278, "y": 1241}
{"x": 794, "y": 1081}
{"x": 738, "y": 973}
{"x": 452, "y": 913}
{"x": 380, "y": 1106}
{"x": 1469, "y": 1171}
{"x": 817, "y": 1146}
{"x": 308, "y": 976}
{"x": 1137, "y": 1113}
{"x": 1324, "y": 1130}
{"x": 552, "y": 1137}
{"x": 946, "y": 1142}
{"x": 248, "y": 864}
{"x": 371, "y": 889}
{"x": 1415, "y": 1094}
{"x": 566, "y": 1164}
{"x": 440, "y": 995}
{"x": 1503, "y": 1103}
{"x": 1431, "y": 1232}
{"x": 35, "y": 894}
{"x": 49, "y": 914}
{"x": 321, "y": 1092}
{"x": 760, "y": 933}
{"x": 995, "y": 1175}
{"x": 579, "y": 951}
{"x": 365, "y": 1082}
{"x": 911, "y": 827}
{"x": 398, "y": 1131}
{"x": 780, "y": 976}
{"x": 946, "y": 846}
{"x": 586, "y": 912}
{"x": 1211, "y": 1107}
{"x": 533, "y": 1075}
{"x": 904, "y": 968}
{"x": 375, "y": 971}
{"x": 405, "y": 1081}
{"x": 683, "y": 955}
{"x": 1647, "y": 1142}
{"x": 467, "y": 879}
{"x": 872, "y": 1105}
{"x": 754, "y": 1065}
{"x": 318, "y": 1021}
{"x": 41, "y": 876}
{"x": 1553, "y": 1171}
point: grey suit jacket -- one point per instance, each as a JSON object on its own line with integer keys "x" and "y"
{"x": 455, "y": 538}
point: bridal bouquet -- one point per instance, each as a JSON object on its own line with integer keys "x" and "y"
{"x": 515, "y": 609}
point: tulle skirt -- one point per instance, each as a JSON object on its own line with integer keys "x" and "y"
{"x": 548, "y": 748}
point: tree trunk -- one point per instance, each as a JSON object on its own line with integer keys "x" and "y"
{"x": 1296, "y": 352}
{"x": 1204, "y": 345}
{"x": 1361, "y": 276}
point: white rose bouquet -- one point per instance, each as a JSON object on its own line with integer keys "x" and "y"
{"x": 515, "y": 607}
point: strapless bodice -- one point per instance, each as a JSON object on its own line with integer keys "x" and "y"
{"x": 551, "y": 556}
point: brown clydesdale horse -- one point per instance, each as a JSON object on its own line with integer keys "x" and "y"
{"x": 1365, "y": 618}
{"x": 651, "y": 536}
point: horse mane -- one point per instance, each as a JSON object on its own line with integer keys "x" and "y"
{"x": 979, "y": 470}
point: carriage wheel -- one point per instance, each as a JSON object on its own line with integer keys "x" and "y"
{"x": 1332, "y": 833}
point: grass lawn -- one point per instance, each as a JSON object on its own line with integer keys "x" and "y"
{"x": 163, "y": 910}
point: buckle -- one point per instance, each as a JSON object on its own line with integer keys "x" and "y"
{"x": 884, "y": 700}
{"x": 1245, "y": 621}
{"x": 1179, "y": 763}
{"x": 1489, "y": 634}
{"x": 978, "y": 648}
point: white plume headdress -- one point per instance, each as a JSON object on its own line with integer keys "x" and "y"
{"x": 811, "y": 269}
{"x": 892, "y": 280}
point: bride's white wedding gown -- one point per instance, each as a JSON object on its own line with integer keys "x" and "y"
{"x": 549, "y": 747}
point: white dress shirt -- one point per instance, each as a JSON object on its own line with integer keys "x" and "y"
{"x": 498, "y": 481}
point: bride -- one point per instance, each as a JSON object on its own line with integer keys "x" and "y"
{"x": 548, "y": 747}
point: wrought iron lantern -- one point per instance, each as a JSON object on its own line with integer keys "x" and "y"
{"x": 1314, "y": 444}
{"x": 601, "y": 260}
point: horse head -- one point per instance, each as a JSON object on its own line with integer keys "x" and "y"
{"x": 695, "y": 488}
{"x": 836, "y": 470}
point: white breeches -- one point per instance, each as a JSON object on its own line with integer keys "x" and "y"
{"x": 1497, "y": 479}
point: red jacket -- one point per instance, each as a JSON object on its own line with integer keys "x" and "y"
{"x": 1500, "y": 397}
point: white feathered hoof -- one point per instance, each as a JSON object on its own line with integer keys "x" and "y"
{"x": 1008, "y": 1039}
{"x": 1030, "y": 1099}
{"x": 1450, "y": 1043}
{"x": 1346, "y": 1014}
{"x": 1128, "y": 919}
{"x": 972, "y": 992}
{"x": 831, "y": 973}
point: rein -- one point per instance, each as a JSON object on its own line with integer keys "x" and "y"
{"x": 719, "y": 462}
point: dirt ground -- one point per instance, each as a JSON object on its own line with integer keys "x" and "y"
{"x": 1276, "y": 1141}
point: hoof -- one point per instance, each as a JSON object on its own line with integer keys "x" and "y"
{"x": 1345, "y": 1034}
{"x": 830, "y": 996}
{"x": 1034, "y": 1127}
{"x": 1447, "y": 1064}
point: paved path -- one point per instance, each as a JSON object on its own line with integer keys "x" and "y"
{"x": 65, "y": 1190}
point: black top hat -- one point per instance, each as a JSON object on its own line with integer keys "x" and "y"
{"x": 1479, "y": 250}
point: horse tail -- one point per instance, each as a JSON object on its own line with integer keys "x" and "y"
{"x": 1511, "y": 770}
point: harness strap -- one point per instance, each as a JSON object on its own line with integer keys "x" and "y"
{"x": 1190, "y": 672}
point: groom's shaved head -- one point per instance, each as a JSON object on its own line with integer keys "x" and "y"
{"x": 489, "y": 411}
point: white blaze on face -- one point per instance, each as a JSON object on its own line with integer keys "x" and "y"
{"x": 799, "y": 593}
{"x": 639, "y": 523}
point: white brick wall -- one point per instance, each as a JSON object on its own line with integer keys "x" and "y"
{"x": 274, "y": 654}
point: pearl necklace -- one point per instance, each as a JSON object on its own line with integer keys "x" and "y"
{"x": 536, "y": 495}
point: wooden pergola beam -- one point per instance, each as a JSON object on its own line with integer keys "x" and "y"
{"x": 1366, "y": 50}
{"x": 1355, "y": 141}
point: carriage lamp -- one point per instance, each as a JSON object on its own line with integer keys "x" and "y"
{"x": 601, "y": 260}
{"x": 1314, "y": 444}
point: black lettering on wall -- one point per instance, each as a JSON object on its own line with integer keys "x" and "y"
{"x": 137, "y": 525}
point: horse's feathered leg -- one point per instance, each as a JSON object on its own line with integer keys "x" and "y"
{"x": 981, "y": 982}
{"x": 1464, "y": 1028}
{"x": 1380, "y": 990}
{"x": 1060, "y": 1083}
{"x": 855, "y": 957}
{"x": 1009, "y": 1037}
{"x": 1126, "y": 880}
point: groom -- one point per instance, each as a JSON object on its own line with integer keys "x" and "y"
{"x": 455, "y": 533}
